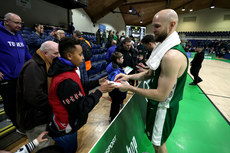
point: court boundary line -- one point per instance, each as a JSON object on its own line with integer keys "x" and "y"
{"x": 212, "y": 103}
{"x": 216, "y": 95}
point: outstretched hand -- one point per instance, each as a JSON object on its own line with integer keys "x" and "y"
{"x": 40, "y": 137}
{"x": 121, "y": 77}
{"x": 106, "y": 87}
{"x": 102, "y": 80}
{"x": 124, "y": 86}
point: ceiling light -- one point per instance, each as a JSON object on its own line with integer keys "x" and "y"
{"x": 212, "y": 5}
{"x": 130, "y": 9}
{"x": 183, "y": 9}
{"x": 191, "y": 10}
{"x": 141, "y": 21}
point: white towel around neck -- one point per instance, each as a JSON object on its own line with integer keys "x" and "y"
{"x": 161, "y": 48}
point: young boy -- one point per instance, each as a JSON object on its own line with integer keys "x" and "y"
{"x": 117, "y": 96}
{"x": 67, "y": 96}
{"x": 142, "y": 66}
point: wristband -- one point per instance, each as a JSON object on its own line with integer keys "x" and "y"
{"x": 35, "y": 141}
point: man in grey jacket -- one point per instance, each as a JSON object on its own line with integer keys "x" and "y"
{"x": 33, "y": 109}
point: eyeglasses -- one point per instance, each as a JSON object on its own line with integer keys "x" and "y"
{"x": 18, "y": 23}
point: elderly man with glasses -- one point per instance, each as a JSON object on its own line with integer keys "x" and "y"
{"x": 13, "y": 53}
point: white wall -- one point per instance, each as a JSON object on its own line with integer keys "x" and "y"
{"x": 149, "y": 29}
{"x": 206, "y": 20}
{"x": 113, "y": 21}
{"x": 39, "y": 11}
{"x": 83, "y": 22}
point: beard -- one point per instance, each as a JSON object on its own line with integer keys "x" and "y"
{"x": 161, "y": 37}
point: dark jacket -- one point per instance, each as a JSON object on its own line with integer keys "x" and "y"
{"x": 67, "y": 98}
{"x": 33, "y": 108}
{"x": 130, "y": 57}
{"x": 116, "y": 95}
{"x": 198, "y": 59}
{"x": 86, "y": 49}
{"x": 35, "y": 41}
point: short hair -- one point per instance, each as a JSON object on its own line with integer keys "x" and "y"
{"x": 60, "y": 31}
{"x": 47, "y": 46}
{"x": 78, "y": 33}
{"x": 51, "y": 149}
{"x": 116, "y": 55}
{"x": 147, "y": 39}
{"x": 8, "y": 16}
{"x": 67, "y": 45}
{"x": 37, "y": 24}
{"x": 126, "y": 40}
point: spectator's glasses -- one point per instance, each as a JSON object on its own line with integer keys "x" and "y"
{"x": 18, "y": 23}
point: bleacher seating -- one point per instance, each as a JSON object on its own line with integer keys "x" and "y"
{"x": 98, "y": 60}
{"x": 206, "y": 34}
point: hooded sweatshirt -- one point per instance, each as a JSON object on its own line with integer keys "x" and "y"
{"x": 67, "y": 98}
{"x": 13, "y": 53}
{"x": 113, "y": 70}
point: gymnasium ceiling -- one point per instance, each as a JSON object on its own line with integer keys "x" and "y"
{"x": 146, "y": 9}
{"x": 143, "y": 9}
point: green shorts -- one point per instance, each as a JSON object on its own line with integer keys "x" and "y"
{"x": 160, "y": 122}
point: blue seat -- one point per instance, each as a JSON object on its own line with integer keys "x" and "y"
{"x": 95, "y": 58}
{"x": 27, "y": 28}
{"x": 92, "y": 71}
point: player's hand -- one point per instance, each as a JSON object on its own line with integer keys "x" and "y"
{"x": 140, "y": 69}
{"x": 102, "y": 80}
{"x": 40, "y": 137}
{"x": 121, "y": 77}
{"x": 124, "y": 86}
{"x": 106, "y": 87}
{"x": 141, "y": 64}
{"x": 1, "y": 76}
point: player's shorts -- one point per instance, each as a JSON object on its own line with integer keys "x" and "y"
{"x": 160, "y": 122}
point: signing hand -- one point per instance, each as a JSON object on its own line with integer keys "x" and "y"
{"x": 40, "y": 137}
{"x": 121, "y": 77}
{"x": 141, "y": 64}
{"x": 102, "y": 80}
{"x": 124, "y": 86}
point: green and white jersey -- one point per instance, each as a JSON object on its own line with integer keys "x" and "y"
{"x": 161, "y": 116}
{"x": 177, "y": 92}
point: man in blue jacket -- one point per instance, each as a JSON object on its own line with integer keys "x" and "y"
{"x": 38, "y": 37}
{"x": 13, "y": 53}
{"x": 110, "y": 51}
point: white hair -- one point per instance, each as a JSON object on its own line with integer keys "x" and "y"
{"x": 47, "y": 46}
{"x": 59, "y": 33}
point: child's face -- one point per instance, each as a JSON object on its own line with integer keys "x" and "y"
{"x": 120, "y": 60}
{"x": 77, "y": 57}
{"x": 141, "y": 57}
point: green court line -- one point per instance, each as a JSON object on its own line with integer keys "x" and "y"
{"x": 200, "y": 128}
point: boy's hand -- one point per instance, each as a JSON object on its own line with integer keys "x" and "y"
{"x": 106, "y": 87}
{"x": 124, "y": 86}
{"x": 121, "y": 77}
{"x": 102, "y": 80}
{"x": 40, "y": 137}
